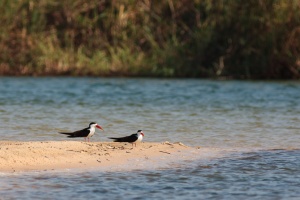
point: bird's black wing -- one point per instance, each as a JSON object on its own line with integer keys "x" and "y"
{"x": 81, "y": 133}
{"x": 66, "y": 133}
{"x": 131, "y": 138}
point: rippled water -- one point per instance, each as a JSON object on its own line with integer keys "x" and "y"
{"x": 260, "y": 121}
{"x": 272, "y": 174}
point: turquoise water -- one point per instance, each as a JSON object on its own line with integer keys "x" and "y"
{"x": 258, "y": 121}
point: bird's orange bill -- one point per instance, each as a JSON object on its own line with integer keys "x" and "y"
{"x": 99, "y": 127}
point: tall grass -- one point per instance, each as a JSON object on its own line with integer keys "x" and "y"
{"x": 184, "y": 38}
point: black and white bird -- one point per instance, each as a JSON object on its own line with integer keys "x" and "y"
{"x": 86, "y": 133}
{"x": 133, "y": 139}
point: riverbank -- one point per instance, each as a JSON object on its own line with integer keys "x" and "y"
{"x": 195, "y": 39}
{"x": 18, "y": 156}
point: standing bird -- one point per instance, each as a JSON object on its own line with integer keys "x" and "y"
{"x": 86, "y": 133}
{"x": 133, "y": 139}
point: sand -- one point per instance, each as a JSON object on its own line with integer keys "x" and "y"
{"x": 18, "y": 156}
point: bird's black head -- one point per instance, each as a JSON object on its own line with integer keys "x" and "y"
{"x": 140, "y": 132}
{"x": 92, "y": 123}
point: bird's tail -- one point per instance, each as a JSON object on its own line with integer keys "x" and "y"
{"x": 69, "y": 134}
{"x": 116, "y": 139}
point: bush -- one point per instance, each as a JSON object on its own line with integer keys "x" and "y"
{"x": 184, "y": 38}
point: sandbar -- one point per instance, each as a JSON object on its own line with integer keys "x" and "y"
{"x": 19, "y": 156}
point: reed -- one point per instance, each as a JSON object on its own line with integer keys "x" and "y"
{"x": 184, "y": 38}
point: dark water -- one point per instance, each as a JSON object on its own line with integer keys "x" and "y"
{"x": 258, "y": 121}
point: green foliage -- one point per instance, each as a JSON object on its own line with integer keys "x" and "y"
{"x": 184, "y": 38}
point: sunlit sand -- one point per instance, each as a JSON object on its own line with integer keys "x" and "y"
{"x": 18, "y": 156}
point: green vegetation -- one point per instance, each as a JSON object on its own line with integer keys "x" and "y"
{"x": 255, "y": 39}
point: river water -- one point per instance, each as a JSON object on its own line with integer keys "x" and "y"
{"x": 256, "y": 123}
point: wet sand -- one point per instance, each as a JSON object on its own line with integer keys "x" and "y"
{"x": 18, "y": 156}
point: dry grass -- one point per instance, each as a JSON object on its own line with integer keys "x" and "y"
{"x": 189, "y": 38}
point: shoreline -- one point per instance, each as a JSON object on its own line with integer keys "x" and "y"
{"x": 39, "y": 156}
{"x": 19, "y": 156}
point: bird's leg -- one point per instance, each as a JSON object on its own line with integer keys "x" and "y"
{"x": 85, "y": 139}
{"x": 89, "y": 139}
